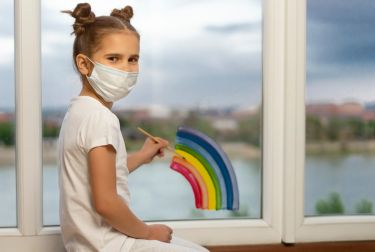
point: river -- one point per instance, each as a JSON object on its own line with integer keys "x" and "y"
{"x": 158, "y": 193}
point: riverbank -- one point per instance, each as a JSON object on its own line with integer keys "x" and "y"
{"x": 237, "y": 150}
{"x": 341, "y": 147}
{"x": 233, "y": 150}
{"x": 7, "y": 154}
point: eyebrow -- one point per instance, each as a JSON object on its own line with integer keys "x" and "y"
{"x": 135, "y": 55}
{"x": 120, "y": 55}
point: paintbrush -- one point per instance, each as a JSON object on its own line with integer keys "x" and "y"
{"x": 156, "y": 140}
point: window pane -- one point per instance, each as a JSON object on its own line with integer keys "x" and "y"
{"x": 8, "y": 213}
{"x": 203, "y": 72}
{"x": 340, "y": 108}
{"x": 60, "y": 83}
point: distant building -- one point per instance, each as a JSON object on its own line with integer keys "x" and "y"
{"x": 245, "y": 112}
{"x": 344, "y": 110}
{"x": 368, "y": 116}
{"x": 225, "y": 124}
{"x": 6, "y": 117}
{"x": 370, "y": 106}
{"x": 350, "y": 109}
{"x": 322, "y": 109}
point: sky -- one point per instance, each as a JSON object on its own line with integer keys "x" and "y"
{"x": 340, "y": 50}
{"x": 206, "y": 53}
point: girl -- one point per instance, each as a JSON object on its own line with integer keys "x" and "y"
{"x": 93, "y": 163}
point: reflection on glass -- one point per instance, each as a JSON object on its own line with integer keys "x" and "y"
{"x": 8, "y": 212}
{"x": 203, "y": 72}
{"x": 340, "y": 108}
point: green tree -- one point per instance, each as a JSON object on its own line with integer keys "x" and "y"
{"x": 50, "y": 131}
{"x": 7, "y": 133}
{"x": 198, "y": 121}
{"x": 334, "y": 129}
{"x": 331, "y": 205}
{"x": 314, "y": 129}
{"x": 356, "y": 128}
{"x": 370, "y": 130}
{"x": 364, "y": 207}
{"x": 250, "y": 130}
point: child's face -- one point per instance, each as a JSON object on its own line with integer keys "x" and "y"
{"x": 119, "y": 50}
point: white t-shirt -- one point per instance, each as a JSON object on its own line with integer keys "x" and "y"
{"x": 88, "y": 124}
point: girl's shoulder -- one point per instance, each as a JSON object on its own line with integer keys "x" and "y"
{"x": 89, "y": 107}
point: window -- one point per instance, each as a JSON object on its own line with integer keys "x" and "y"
{"x": 326, "y": 160}
{"x": 8, "y": 213}
{"x": 340, "y": 109}
{"x": 35, "y": 55}
{"x": 59, "y": 84}
{"x": 188, "y": 77}
{"x": 281, "y": 206}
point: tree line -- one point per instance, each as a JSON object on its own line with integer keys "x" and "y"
{"x": 248, "y": 129}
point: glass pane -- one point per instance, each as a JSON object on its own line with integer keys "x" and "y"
{"x": 340, "y": 108}
{"x": 8, "y": 213}
{"x": 203, "y": 72}
{"x": 60, "y": 83}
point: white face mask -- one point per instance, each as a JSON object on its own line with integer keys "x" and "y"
{"x": 110, "y": 83}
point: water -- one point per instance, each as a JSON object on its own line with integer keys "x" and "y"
{"x": 8, "y": 213}
{"x": 351, "y": 176}
{"x": 159, "y": 193}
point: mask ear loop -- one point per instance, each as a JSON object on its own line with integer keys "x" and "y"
{"x": 91, "y": 62}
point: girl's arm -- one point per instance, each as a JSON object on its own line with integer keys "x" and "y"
{"x": 145, "y": 155}
{"x": 111, "y": 206}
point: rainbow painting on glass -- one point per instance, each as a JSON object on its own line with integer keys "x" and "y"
{"x": 208, "y": 170}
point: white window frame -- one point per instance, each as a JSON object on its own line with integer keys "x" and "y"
{"x": 284, "y": 46}
{"x": 30, "y": 230}
{"x": 297, "y": 227}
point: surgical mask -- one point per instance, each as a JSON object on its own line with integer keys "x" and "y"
{"x": 110, "y": 83}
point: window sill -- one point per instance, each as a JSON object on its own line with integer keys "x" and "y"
{"x": 363, "y": 246}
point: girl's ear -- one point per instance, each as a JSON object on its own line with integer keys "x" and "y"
{"x": 83, "y": 64}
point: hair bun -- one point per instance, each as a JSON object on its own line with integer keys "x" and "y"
{"x": 83, "y": 15}
{"x": 124, "y": 14}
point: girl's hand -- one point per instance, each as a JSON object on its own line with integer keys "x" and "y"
{"x": 150, "y": 149}
{"x": 159, "y": 232}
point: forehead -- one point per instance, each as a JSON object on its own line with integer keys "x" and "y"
{"x": 125, "y": 43}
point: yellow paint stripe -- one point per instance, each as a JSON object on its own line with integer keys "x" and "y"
{"x": 206, "y": 177}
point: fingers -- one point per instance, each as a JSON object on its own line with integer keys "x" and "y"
{"x": 170, "y": 234}
{"x": 161, "y": 153}
{"x": 162, "y": 142}
{"x": 154, "y": 147}
{"x": 170, "y": 229}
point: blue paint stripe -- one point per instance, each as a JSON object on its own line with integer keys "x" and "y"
{"x": 220, "y": 158}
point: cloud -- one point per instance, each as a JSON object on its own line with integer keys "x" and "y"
{"x": 60, "y": 81}
{"x": 341, "y": 32}
{"x": 182, "y": 63}
{"x": 193, "y": 52}
{"x": 6, "y": 33}
{"x": 340, "y": 50}
{"x": 7, "y": 87}
{"x": 6, "y": 18}
{"x": 343, "y": 12}
{"x": 6, "y": 51}
{"x": 352, "y": 88}
{"x": 245, "y": 27}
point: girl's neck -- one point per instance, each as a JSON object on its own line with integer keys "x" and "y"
{"x": 87, "y": 90}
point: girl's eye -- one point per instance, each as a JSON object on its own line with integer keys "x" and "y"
{"x": 113, "y": 59}
{"x": 133, "y": 60}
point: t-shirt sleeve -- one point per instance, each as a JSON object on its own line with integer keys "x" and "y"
{"x": 99, "y": 129}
